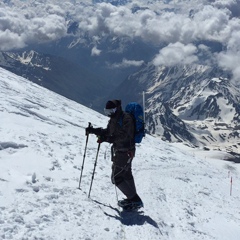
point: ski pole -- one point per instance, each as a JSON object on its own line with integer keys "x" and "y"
{"x": 84, "y": 156}
{"x": 95, "y": 164}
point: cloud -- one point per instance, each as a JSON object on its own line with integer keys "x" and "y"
{"x": 156, "y": 23}
{"x": 178, "y": 34}
{"x": 159, "y": 26}
{"x": 95, "y": 51}
{"x": 50, "y": 28}
{"x": 230, "y": 61}
{"x": 10, "y": 40}
{"x": 232, "y": 5}
{"x": 179, "y": 29}
{"x": 127, "y": 63}
{"x": 176, "y": 53}
{"x": 20, "y": 28}
{"x": 212, "y": 24}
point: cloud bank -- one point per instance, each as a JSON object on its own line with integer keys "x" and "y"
{"x": 22, "y": 26}
{"x": 176, "y": 53}
{"x": 181, "y": 29}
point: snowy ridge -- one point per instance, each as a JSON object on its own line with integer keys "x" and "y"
{"x": 195, "y": 104}
{"x": 29, "y": 58}
{"x": 186, "y": 192}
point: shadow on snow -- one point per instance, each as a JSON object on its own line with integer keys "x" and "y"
{"x": 129, "y": 218}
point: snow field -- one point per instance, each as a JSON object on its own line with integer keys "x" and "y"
{"x": 186, "y": 192}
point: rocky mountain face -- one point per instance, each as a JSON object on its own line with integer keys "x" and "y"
{"x": 112, "y": 59}
{"x": 194, "y": 104}
{"x": 55, "y": 73}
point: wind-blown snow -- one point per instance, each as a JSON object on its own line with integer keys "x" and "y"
{"x": 186, "y": 192}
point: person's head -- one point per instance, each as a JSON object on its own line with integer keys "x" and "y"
{"x": 112, "y": 107}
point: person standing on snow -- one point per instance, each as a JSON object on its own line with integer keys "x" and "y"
{"x": 123, "y": 151}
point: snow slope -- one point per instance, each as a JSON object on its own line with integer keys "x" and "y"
{"x": 186, "y": 191}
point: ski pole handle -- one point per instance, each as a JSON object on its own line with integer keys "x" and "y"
{"x": 89, "y": 126}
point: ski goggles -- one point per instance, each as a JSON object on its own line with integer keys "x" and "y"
{"x": 110, "y": 112}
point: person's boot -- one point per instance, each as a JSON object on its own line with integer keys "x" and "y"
{"x": 131, "y": 204}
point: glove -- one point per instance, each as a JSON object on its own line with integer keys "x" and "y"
{"x": 89, "y": 130}
{"x": 101, "y": 139}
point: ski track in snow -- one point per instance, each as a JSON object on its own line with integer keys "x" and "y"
{"x": 185, "y": 192}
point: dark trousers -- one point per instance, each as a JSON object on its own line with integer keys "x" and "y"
{"x": 122, "y": 173}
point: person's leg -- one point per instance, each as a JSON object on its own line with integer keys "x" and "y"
{"x": 122, "y": 175}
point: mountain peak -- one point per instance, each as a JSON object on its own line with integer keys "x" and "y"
{"x": 195, "y": 96}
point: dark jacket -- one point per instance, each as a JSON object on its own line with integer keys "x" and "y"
{"x": 120, "y": 131}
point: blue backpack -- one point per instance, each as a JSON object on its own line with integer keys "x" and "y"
{"x": 136, "y": 112}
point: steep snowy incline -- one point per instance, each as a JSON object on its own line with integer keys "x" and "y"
{"x": 186, "y": 192}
